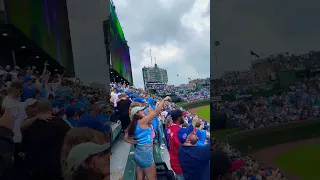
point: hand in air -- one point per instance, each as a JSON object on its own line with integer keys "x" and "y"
{"x": 195, "y": 119}
{"x": 168, "y": 98}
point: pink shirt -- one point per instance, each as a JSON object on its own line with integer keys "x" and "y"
{"x": 152, "y": 133}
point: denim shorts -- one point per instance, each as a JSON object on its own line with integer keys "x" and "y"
{"x": 143, "y": 156}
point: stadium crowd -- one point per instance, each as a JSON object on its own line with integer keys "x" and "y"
{"x": 152, "y": 121}
{"x": 300, "y": 101}
{"x": 52, "y": 127}
{"x": 190, "y": 92}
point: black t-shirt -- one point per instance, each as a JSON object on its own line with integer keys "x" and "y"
{"x": 123, "y": 108}
{"x": 42, "y": 143}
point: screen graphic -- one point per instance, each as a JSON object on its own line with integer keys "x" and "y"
{"x": 120, "y": 53}
{"x": 46, "y": 23}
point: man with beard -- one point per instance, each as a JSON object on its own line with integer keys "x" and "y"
{"x": 42, "y": 143}
{"x": 123, "y": 106}
{"x": 193, "y": 159}
{"x": 174, "y": 143}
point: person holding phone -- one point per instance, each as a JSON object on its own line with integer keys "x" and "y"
{"x": 141, "y": 130}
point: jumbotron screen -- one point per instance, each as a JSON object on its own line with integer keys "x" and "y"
{"x": 46, "y": 23}
{"x": 120, "y": 53}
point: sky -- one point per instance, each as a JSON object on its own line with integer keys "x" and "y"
{"x": 265, "y": 27}
{"x": 176, "y": 31}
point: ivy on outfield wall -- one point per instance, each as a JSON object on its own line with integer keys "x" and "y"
{"x": 252, "y": 140}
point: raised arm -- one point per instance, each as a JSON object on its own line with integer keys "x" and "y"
{"x": 148, "y": 119}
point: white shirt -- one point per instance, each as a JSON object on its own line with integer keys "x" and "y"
{"x": 115, "y": 98}
{"x": 52, "y": 88}
{"x": 163, "y": 116}
{"x": 19, "y": 115}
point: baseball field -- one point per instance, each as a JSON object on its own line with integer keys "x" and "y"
{"x": 302, "y": 161}
{"x": 204, "y": 112}
{"x": 201, "y": 108}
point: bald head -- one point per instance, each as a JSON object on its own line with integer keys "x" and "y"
{"x": 44, "y": 106}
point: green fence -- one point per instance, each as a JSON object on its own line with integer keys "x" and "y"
{"x": 261, "y": 138}
{"x": 192, "y": 105}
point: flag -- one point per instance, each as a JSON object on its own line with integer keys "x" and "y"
{"x": 254, "y": 54}
{"x": 217, "y": 43}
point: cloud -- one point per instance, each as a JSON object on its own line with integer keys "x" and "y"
{"x": 177, "y": 32}
{"x": 267, "y": 27}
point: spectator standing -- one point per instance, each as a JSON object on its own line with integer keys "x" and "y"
{"x": 6, "y": 144}
{"x": 140, "y": 129}
{"x": 123, "y": 107}
{"x": 42, "y": 143}
{"x": 28, "y": 89}
{"x": 193, "y": 159}
{"x": 174, "y": 143}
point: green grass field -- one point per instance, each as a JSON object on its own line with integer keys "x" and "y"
{"x": 301, "y": 161}
{"x": 204, "y": 112}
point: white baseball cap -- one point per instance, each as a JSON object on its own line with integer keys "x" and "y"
{"x": 30, "y": 101}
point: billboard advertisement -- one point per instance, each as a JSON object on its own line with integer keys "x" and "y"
{"x": 120, "y": 52}
{"x": 46, "y": 23}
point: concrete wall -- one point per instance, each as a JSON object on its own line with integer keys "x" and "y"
{"x": 87, "y": 37}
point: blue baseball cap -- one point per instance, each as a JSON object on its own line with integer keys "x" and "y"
{"x": 27, "y": 78}
{"x": 139, "y": 100}
{"x": 93, "y": 122}
{"x": 183, "y": 133}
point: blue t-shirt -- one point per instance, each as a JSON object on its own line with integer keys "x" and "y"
{"x": 195, "y": 162}
{"x": 202, "y": 135}
{"x": 104, "y": 118}
{"x": 28, "y": 92}
{"x": 43, "y": 93}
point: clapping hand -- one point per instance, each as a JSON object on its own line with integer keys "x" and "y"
{"x": 45, "y": 117}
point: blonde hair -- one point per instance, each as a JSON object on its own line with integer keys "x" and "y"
{"x": 74, "y": 137}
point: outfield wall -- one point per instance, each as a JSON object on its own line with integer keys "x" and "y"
{"x": 252, "y": 140}
{"x": 196, "y": 104}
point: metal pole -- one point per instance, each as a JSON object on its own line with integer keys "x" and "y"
{"x": 13, "y": 58}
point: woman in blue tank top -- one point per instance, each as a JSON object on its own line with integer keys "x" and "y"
{"x": 140, "y": 129}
